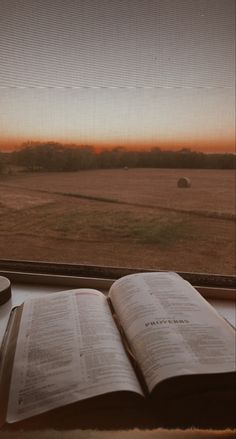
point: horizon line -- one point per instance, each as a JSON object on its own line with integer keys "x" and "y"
{"x": 109, "y": 148}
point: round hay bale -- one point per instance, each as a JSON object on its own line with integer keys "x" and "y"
{"x": 184, "y": 182}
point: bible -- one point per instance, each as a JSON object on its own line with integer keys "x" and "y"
{"x": 153, "y": 352}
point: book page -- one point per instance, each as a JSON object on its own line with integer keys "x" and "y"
{"x": 68, "y": 349}
{"x": 172, "y": 330}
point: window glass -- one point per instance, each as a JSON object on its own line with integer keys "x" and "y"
{"x": 117, "y": 133}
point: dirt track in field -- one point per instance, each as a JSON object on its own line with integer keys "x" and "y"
{"x": 38, "y": 223}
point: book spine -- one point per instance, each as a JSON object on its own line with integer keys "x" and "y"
{"x": 128, "y": 350}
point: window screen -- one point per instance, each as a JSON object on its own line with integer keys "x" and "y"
{"x": 117, "y": 133}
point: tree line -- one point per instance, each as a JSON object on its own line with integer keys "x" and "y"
{"x": 52, "y": 156}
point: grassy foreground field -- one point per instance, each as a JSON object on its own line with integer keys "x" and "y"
{"x": 133, "y": 218}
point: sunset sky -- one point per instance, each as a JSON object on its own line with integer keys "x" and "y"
{"x": 135, "y": 73}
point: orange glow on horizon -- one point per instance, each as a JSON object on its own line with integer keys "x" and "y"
{"x": 207, "y": 146}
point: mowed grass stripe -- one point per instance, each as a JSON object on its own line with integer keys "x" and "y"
{"x": 202, "y": 213}
{"x": 207, "y": 214}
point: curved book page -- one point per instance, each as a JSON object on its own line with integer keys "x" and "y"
{"x": 172, "y": 330}
{"x": 68, "y": 349}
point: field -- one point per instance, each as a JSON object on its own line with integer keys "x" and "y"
{"x": 132, "y": 218}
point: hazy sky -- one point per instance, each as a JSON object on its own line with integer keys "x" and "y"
{"x": 118, "y": 72}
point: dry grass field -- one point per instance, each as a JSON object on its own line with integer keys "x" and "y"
{"x": 133, "y": 218}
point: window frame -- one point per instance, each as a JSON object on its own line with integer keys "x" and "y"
{"x": 211, "y": 286}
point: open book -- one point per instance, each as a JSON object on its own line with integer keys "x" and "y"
{"x": 153, "y": 352}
